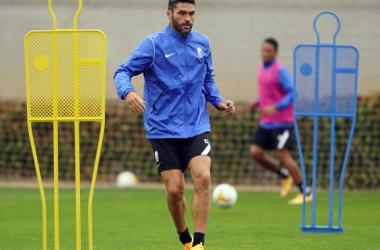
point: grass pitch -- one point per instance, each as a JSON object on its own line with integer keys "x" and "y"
{"x": 138, "y": 219}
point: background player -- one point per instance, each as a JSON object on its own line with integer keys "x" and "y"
{"x": 275, "y": 131}
{"x": 178, "y": 73}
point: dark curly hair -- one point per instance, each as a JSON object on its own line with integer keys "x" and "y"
{"x": 273, "y": 42}
{"x": 173, "y": 3}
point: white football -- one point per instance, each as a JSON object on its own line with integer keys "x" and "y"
{"x": 224, "y": 195}
{"x": 126, "y": 179}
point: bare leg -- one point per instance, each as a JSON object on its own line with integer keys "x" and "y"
{"x": 257, "y": 153}
{"x": 290, "y": 164}
{"x": 201, "y": 203}
{"x": 175, "y": 185}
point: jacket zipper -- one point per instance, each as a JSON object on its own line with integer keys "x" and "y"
{"x": 185, "y": 90}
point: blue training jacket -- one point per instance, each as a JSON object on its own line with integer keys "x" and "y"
{"x": 179, "y": 80}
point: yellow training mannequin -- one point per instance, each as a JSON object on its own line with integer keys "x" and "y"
{"x": 65, "y": 82}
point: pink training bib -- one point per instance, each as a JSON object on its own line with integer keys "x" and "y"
{"x": 271, "y": 92}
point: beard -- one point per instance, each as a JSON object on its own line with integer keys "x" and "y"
{"x": 178, "y": 27}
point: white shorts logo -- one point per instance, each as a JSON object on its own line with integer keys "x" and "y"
{"x": 282, "y": 139}
{"x": 207, "y": 150}
{"x": 156, "y": 156}
{"x": 200, "y": 53}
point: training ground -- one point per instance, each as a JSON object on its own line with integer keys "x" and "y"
{"x": 139, "y": 219}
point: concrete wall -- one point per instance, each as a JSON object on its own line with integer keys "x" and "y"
{"x": 236, "y": 29}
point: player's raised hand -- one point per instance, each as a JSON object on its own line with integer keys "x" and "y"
{"x": 227, "y": 106}
{"x": 253, "y": 106}
{"x": 135, "y": 102}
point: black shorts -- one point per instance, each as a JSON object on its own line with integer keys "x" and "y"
{"x": 177, "y": 153}
{"x": 274, "y": 139}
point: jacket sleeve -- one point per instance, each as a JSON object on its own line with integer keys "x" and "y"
{"x": 210, "y": 87}
{"x": 286, "y": 82}
{"x": 140, "y": 60}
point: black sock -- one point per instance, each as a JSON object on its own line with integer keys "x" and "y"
{"x": 283, "y": 172}
{"x": 185, "y": 236}
{"x": 198, "y": 238}
{"x": 307, "y": 191}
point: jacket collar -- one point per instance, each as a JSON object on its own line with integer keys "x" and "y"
{"x": 267, "y": 65}
{"x": 177, "y": 35}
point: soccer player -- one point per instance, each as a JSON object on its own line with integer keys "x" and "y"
{"x": 275, "y": 130}
{"x": 179, "y": 81}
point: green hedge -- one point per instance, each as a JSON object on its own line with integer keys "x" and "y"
{"x": 125, "y": 147}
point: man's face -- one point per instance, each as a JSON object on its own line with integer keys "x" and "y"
{"x": 182, "y": 17}
{"x": 268, "y": 52}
